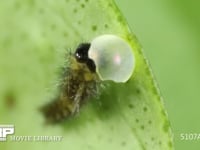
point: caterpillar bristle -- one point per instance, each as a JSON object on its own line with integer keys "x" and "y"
{"x": 77, "y": 85}
{"x": 56, "y": 111}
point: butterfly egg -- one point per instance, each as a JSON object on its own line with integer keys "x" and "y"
{"x": 113, "y": 57}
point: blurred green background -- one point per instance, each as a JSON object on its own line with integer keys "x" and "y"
{"x": 169, "y": 32}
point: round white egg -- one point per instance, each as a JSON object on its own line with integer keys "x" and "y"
{"x": 113, "y": 57}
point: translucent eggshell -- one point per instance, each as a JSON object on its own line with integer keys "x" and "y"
{"x": 113, "y": 58}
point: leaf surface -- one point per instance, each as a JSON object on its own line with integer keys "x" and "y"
{"x": 35, "y": 36}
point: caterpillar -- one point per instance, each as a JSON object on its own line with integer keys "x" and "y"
{"x": 80, "y": 82}
{"x": 107, "y": 57}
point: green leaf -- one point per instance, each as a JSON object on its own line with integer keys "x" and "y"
{"x": 35, "y": 36}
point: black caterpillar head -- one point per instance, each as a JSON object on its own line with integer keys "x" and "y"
{"x": 81, "y": 55}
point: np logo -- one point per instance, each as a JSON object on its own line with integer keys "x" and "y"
{"x": 6, "y": 130}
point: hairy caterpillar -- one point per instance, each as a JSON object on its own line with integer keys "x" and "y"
{"x": 80, "y": 82}
{"x": 107, "y": 57}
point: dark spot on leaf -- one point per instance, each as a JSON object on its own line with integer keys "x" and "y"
{"x": 145, "y": 109}
{"x": 160, "y": 143}
{"x": 129, "y": 36}
{"x": 164, "y": 114}
{"x": 123, "y": 143}
{"x": 119, "y": 18}
{"x": 166, "y": 126}
{"x": 154, "y": 89}
{"x": 17, "y": 5}
{"x": 138, "y": 91}
{"x": 10, "y": 99}
{"x": 106, "y": 108}
{"x": 75, "y": 10}
{"x": 65, "y": 34}
{"x": 32, "y": 2}
{"x": 41, "y": 10}
{"x": 131, "y": 106}
{"x": 106, "y": 25}
{"x": 147, "y": 70}
{"x": 170, "y": 144}
{"x": 110, "y": 5}
{"x": 82, "y": 5}
{"x": 152, "y": 139}
{"x": 94, "y": 27}
{"x": 53, "y": 27}
{"x": 142, "y": 127}
{"x": 79, "y": 22}
{"x": 149, "y": 122}
{"x": 86, "y": 0}
{"x": 137, "y": 120}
